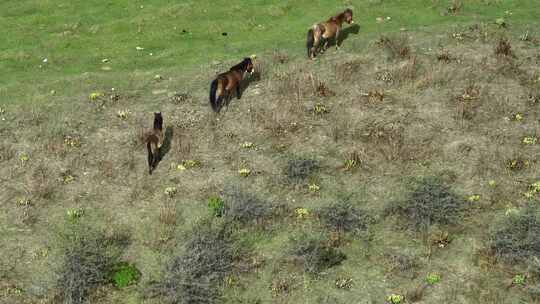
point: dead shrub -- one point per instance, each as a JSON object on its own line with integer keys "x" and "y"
{"x": 342, "y": 217}
{"x": 395, "y": 47}
{"x": 88, "y": 256}
{"x": 503, "y": 48}
{"x": 195, "y": 275}
{"x": 429, "y": 202}
{"x": 444, "y": 56}
{"x": 244, "y": 207}
{"x": 322, "y": 90}
{"x": 300, "y": 169}
{"x": 41, "y": 183}
{"x": 314, "y": 254}
{"x": 467, "y": 103}
{"x": 517, "y": 238}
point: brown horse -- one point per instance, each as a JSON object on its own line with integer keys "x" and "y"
{"x": 154, "y": 140}
{"x": 228, "y": 82}
{"x": 325, "y": 31}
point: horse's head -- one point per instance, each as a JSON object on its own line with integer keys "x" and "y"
{"x": 248, "y": 65}
{"x": 348, "y": 16}
{"x": 158, "y": 120}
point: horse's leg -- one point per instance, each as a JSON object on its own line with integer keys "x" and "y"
{"x": 337, "y": 38}
{"x": 238, "y": 90}
{"x": 315, "y": 48}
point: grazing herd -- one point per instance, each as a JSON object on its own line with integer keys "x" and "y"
{"x": 228, "y": 83}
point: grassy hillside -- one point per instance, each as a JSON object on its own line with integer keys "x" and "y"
{"x": 76, "y": 36}
{"x": 405, "y": 163}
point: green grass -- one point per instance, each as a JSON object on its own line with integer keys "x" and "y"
{"x": 76, "y": 36}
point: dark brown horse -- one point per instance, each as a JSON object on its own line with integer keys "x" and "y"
{"x": 226, "y": 83}
{"x": 154, "y": 140}
{"x": 326, "y": 31}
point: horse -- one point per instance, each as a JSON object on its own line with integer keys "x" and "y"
{"x": 225, "y": 83}
{"x": 326, "y": 30}
{"x": 154, "y": 141}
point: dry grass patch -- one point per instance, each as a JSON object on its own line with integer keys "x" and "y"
{"x": 395, "y": 47}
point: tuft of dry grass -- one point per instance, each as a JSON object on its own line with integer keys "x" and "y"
{"x": 455, "y": 7}
{"x": 444, "y": 56}
{"x": 395, "y": 47}
{"x": 503, "y": 48}
{"x": 41, "y": 183}
{"x": 167, "y": 214}
{"x": 348, "y": 70}
{"x": 387, "y": 138}
{"x": 467, "y": 102}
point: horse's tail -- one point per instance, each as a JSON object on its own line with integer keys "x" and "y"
{"x": 214, "y": 100}
{"x": 150, "y": 156}
{"x": 310, "y": 41}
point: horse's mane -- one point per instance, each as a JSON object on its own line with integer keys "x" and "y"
{"x": 340, "y": 15}
{"x": 241, "y": 66}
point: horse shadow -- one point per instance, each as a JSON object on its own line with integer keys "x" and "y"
{"x": 243, "y": 85}
{"x": 344, "y": 34}
{"x": 166, "y": 146}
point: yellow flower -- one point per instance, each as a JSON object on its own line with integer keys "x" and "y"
{"x": 529, "y": 194}
{"x": 394, "y": 299}
{"x": 244, "y": 172}
{"x": 473, "y": 198}
{"x": 492, "y": 183}
{"x": 247, "y": 145}
{"x": 123, "y": 114}
{"x": 314, "y": 187}
{"x": 95, "y": 95}
{"x": 301, "y": 212}
{"x": 190, "y": 163}
{"x": 536, "y": 187}
{"x": 170, "y": 191}
{"x": 23, "y": 202}
{"x": 24, "y": 158}
{"x": 518, "y": 117}
{"x": 529, "y": 140}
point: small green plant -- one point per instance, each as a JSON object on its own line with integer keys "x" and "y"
{"x": 352, "y": 160}
{"x": 433, "y": 278}
{"x": 125, "y": 274}
{"x": 519, "y": 279}
{"x": 74, "y": 213}
{"x": 171, "y": 191}
{"x": 529, "y": 140}
{"x": 344, "y": 283}
{"x": 244, "y": 172}
{"x": 394, "y": 299}
{"x": 216, "y": 206}
{"x": 319, "y": 109}
{"x": 473, "y": 198}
